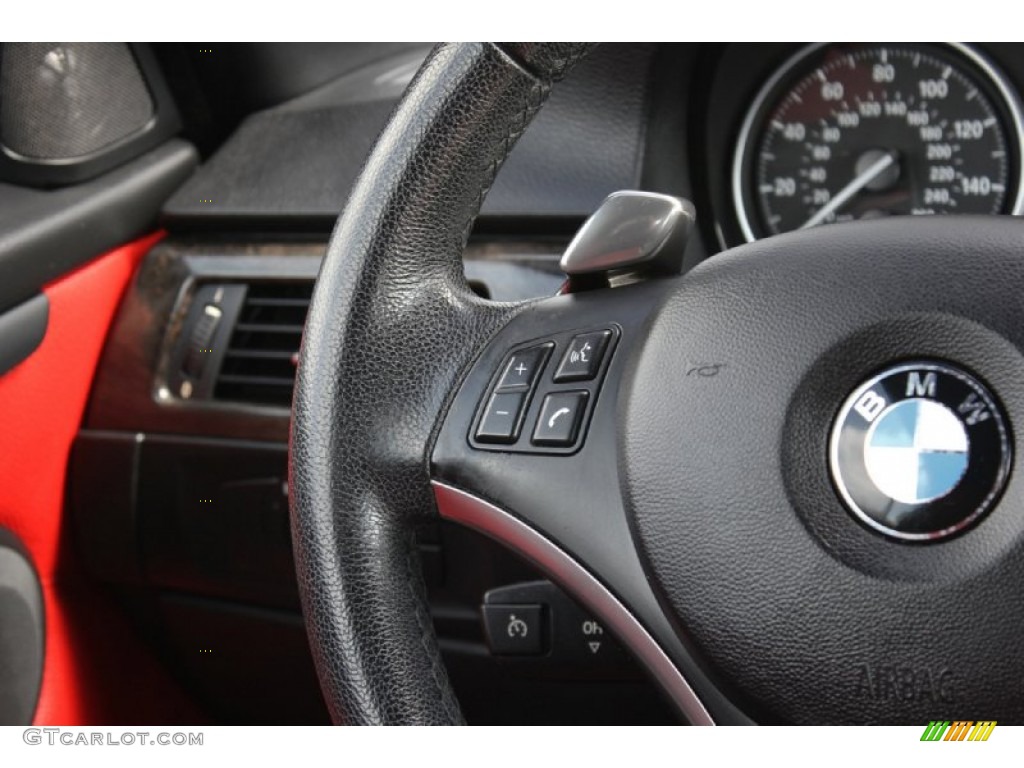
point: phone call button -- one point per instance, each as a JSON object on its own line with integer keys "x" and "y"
{"x": 559, "y": 421}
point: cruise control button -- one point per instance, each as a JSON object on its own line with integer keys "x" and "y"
{"x": 500, "y": 422}
{"x": 560, "y": 417}
{"x": 522, "y": 367}
{"x": 582, "y": 359}
{"x": 514, "y": 629}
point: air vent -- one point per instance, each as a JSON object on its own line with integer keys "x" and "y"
{"x": 259, "y": 364}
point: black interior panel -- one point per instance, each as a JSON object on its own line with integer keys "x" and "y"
{"x": 297, "y": 161}
{"x": 103, "y": 480}
{"x": 245, "y": 665}
{"x": 213, "y": 519}
{"x": 21, "y": 330}
{"x": 46, "y": 233}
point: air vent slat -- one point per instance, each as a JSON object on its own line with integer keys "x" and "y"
{"x": 261, "y": 354}
{"x": 259, "y": 364}
{"x": 260, "y": 381}
{"x": 268, "y": 328}
{"x": 279, "y": 302}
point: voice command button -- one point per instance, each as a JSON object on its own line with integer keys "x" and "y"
{"x": 582, "y": 360}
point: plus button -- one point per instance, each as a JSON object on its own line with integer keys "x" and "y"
{"x": 522, "y": 366}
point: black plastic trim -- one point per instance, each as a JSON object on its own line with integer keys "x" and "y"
{"x": 103, "y": 480}
{"x": 22, "y": 330}
{"x": 46, "y": 233}
{"x": 293, "y": 164}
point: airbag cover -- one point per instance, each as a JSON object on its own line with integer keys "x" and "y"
{"x": 804, "y": 613}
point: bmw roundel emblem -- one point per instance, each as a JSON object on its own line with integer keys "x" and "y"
{"x": 920, "y": 451}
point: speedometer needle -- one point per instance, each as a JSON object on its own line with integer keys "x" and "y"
{"x": 860, "y": 181}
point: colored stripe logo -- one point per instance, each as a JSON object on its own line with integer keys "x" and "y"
{"x": 959, "y": 730}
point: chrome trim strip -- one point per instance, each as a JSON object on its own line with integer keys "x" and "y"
{"x": 987, "y": 69}
{"x": 461, "y": 507}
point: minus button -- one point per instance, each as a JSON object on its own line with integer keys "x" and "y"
{"x": 500, "y": 420}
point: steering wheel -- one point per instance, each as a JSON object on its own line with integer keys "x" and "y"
{"x": 783, "y": 480}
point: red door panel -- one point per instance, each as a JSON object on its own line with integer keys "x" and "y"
{"x": 96, "y": 671}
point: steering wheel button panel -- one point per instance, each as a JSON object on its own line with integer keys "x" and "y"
{"x": 522, "y": 367}
{"x": 582, "y": 360}
{"x": 500, "y": 420}
{"x": 559, "y": 420}
{"x": 521, "y": 391}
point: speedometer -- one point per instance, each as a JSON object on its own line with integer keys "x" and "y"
{"x": 845, "y": 132}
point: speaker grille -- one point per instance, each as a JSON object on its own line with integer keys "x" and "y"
{"x": 69, "y": 100}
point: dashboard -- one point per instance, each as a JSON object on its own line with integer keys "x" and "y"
{"x": 178, "y": 478}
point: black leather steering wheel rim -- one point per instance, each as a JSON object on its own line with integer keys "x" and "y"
{"x": 391, "y": 328}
